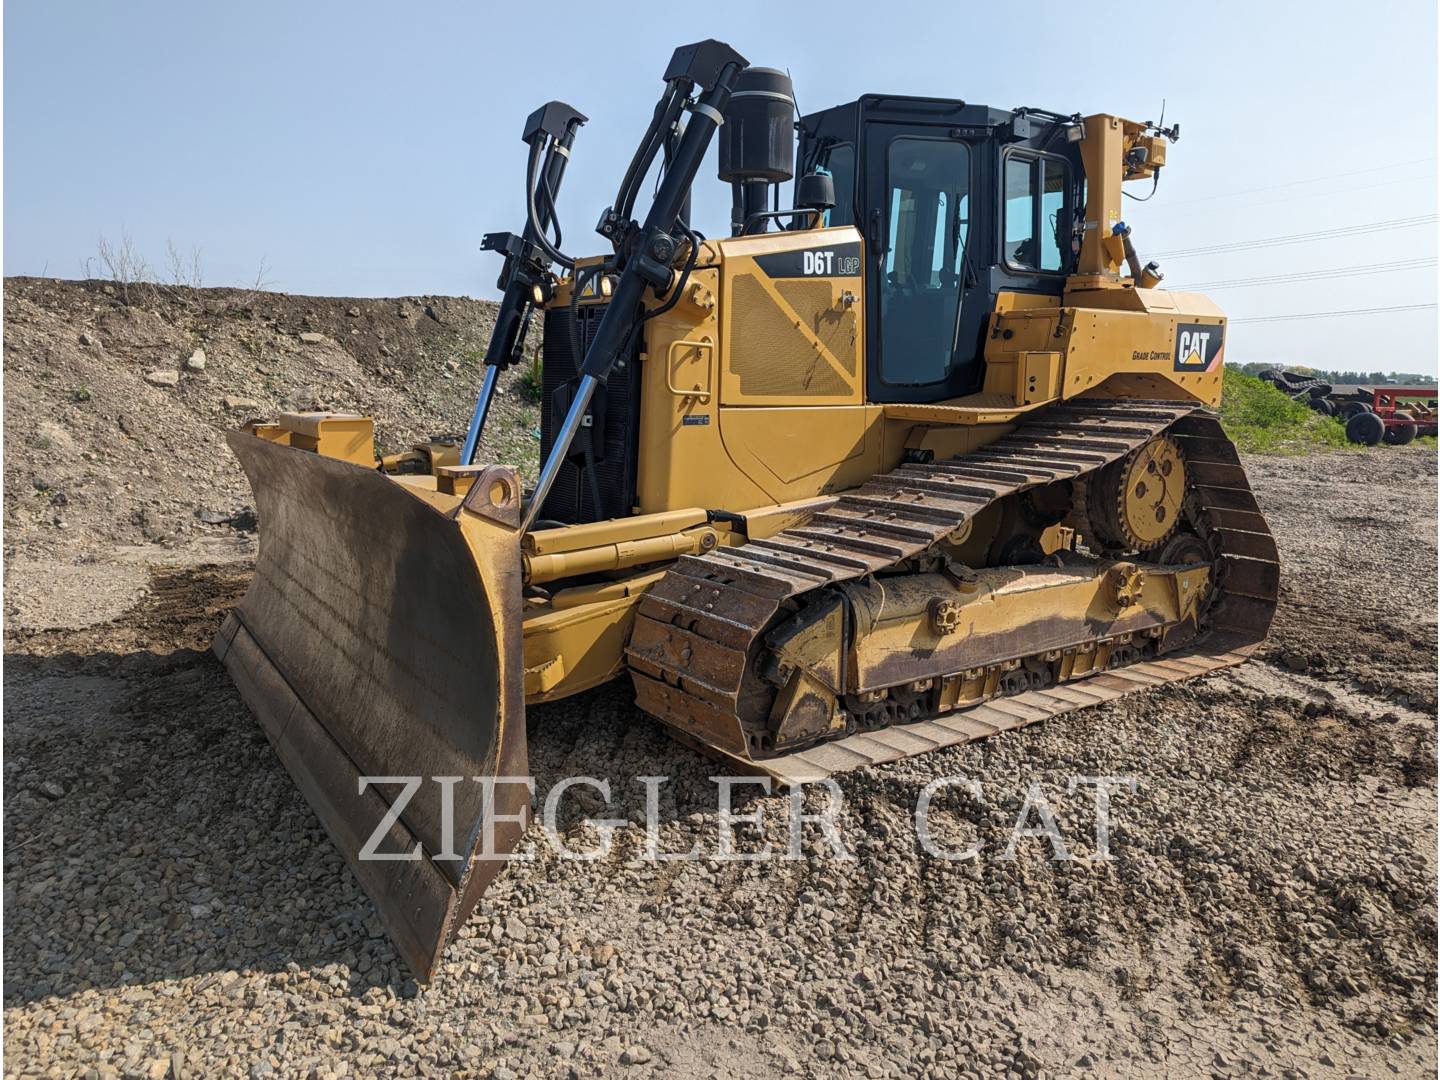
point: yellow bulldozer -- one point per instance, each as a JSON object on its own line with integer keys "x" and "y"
{"x": 922, "y": 457}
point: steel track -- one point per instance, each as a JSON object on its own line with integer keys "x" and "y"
{"x": 696, "y": 645}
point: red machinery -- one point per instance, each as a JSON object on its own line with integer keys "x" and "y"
{"x": 1419, "y": 414}
{"x": 1383, "y": 418}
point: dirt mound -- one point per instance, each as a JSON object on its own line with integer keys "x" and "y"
{"x": 117, "y": 400}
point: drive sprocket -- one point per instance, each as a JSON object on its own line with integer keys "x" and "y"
{"x": 1134, "y": 504}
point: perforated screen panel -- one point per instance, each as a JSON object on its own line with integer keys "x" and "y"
{"x": 773, "y": 357}
{"x": 833, "y": 325}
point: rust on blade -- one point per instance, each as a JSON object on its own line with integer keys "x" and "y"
{"x": 381, "y": 638}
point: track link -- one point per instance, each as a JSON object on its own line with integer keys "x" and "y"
{"x": 697, "y": 644}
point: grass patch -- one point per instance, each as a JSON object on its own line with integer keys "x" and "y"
{"x": 532, "y": 382}
{"x": 1260, "y": 419}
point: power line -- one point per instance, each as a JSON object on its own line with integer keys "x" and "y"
{"x": 1290, "y": 198}
{"x": 1332, "y": 314}
{"x": 1316, "y": 275}
{"x": 1307, "y": 180}
{"x": 1301, "y": 238}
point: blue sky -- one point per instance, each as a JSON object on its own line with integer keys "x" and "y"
{"x": 363, "y": 148}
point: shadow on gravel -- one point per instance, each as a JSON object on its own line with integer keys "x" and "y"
{"x": 152, "y": 834}
{"x": 150, "y": 831}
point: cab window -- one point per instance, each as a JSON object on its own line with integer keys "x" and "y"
{"x": 928, "y": 208}
{"x": 1036, "y": 212}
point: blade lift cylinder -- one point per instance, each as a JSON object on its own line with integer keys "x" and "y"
{"x": 528, "y": 256}
{"x": 714, "y": 67}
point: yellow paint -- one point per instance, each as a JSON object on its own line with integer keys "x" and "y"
{"x": 754, "y": 404}
{"x": 337, "y": 435}
{"x": 1119, "y": 340}
{"x": 615, "y": 531}
{"x": 619, "y": 556}
{"x": 269, "y": 432}
{"x": 753, "y": 400}
{"x": 577, "y": 639}
{"x": 790, "y": 341}
{"x": 790, "y": 453}
{"x": 1054, "y": 608}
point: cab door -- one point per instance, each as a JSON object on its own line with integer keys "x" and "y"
{"x": 925, "y": 315}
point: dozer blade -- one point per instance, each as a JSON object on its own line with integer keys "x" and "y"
{"x": 381, "y": 639}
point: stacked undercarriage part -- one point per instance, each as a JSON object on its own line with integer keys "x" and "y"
{"x": 871, "y": 631}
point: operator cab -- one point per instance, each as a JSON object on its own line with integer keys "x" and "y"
{"x": 956, "y": 203}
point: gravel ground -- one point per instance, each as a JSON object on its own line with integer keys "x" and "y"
{"x": 173, "y": 908}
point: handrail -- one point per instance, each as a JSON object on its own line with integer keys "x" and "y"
{"x": 703, "y": 396}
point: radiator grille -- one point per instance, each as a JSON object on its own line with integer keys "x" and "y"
{"x": 615, "y": 413}
{"x": 770, "y": 355}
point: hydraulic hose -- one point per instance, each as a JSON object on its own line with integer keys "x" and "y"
{"x": 537, "y": 224}
{"x": 547, "y": 208}
{"x": 619, "y": 320}
{"x": 696, "y": 238}
{"x": 1122, "y": 230}
{"x": 577, "y": 286}
{"x": 629, "y": 178}
{"x": 667, "y": 111}
{"x": 554, "y": 135}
